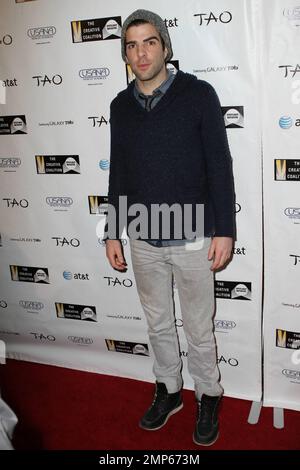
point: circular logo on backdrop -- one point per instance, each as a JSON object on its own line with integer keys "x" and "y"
{"x": 40, "y": 275}
{"x": 140, "y": 349}
{"x": 112, "y": 27}
{"x": 71, "y": 163}
{"x": 17, "y": 125}
{"x": 87, "y": 313}
{"x": 285, "y": 122}
{"x": 67, "y": 275}
{"x": 104, "y": 164}
{"x": 233, "y": 116}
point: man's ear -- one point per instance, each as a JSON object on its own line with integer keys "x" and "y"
{"x": 165, "y": 52}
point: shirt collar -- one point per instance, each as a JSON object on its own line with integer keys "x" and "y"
{"x": 162, "y": 87}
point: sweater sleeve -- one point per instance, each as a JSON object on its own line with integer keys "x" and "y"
{"x": 218, "y": 165}
{"x": 112, "y": 229}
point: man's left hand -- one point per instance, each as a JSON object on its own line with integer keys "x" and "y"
{"x": 220, "y": 251}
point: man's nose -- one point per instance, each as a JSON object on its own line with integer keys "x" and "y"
{"x": 141, "y": 50}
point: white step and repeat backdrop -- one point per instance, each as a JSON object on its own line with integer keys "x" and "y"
{"x": 60, "y": 302}
{"x": 281, "y": 130}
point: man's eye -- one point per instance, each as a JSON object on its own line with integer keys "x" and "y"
{"x": 130, "y": 46}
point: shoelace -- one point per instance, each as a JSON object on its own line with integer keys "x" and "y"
{"x": 162, "y": 398}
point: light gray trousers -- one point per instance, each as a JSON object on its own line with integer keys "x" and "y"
{"x": 153, "y": 269}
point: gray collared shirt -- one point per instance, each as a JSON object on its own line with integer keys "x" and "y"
{"x": 149, "y": 101}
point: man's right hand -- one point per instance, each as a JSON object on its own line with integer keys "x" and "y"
{"x": 115, "y": 255}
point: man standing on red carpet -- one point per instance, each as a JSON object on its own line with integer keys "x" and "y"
{"x": 169, "y": 147}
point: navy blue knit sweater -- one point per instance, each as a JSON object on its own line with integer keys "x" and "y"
{"x": 175, "y": 153}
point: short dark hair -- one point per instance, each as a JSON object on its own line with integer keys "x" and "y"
{"x": 139, "y": 22}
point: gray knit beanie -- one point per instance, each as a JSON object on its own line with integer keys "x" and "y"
{"x": 156, "y": 21}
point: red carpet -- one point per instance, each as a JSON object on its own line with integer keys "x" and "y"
{"x": 66, "y": 409}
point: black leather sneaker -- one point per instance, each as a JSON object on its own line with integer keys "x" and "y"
{"x": 163, "y": 406}
{"x": 207, "y": 425}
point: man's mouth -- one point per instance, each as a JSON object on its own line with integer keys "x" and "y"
{"x": 143, "y": 66}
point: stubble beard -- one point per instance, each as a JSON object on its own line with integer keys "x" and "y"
{"x": 149, "y": 75}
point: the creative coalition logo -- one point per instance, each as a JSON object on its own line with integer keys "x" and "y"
{"x": 172, "y": 66}
{"x": 205, "y": 19}
{"x": 10, "y": 125}
{"x": 104, "y": 164}
{"x": 29, "y": 274}
{"x": 287, "y": 339}
{"x": 59, "y": 202}
{"x": 3, "y": 303}
{"x": 43, "y": 337}
{"x": 10, "y": 163}
{"x": 95, "y": 75}
{"x": 115, "y": 281}
{"x": 233, "y": 290}
{"x": 76, "y": 312}
{"x": 292, "y": 375}
{"x": 224, "y": 325}
{"x": 287, "y": 170}
{"x": 40, "y": 33}
{"x": 98, "y": 205}
{"x": 57, "y": 164}
{"x": 293, "y": 213}
{"x": 81, "y": 340}
{"x": 139, "y": 349}
{"x": 63, "y": 241}
{"x": 233, "y": 116}
{"x": 31, "y": 305}
{"x": 296, "y": 259}
{"x": 43, "y": 80}
{"x": 292, "y": 15}
{"x": 286, "y": 122}
{"x": 77, "y": 276}
{"x": 96, "y": 29}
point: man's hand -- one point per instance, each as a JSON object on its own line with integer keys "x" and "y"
{"x": 220, "y": 251}
{"x": 115, "y": 255}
